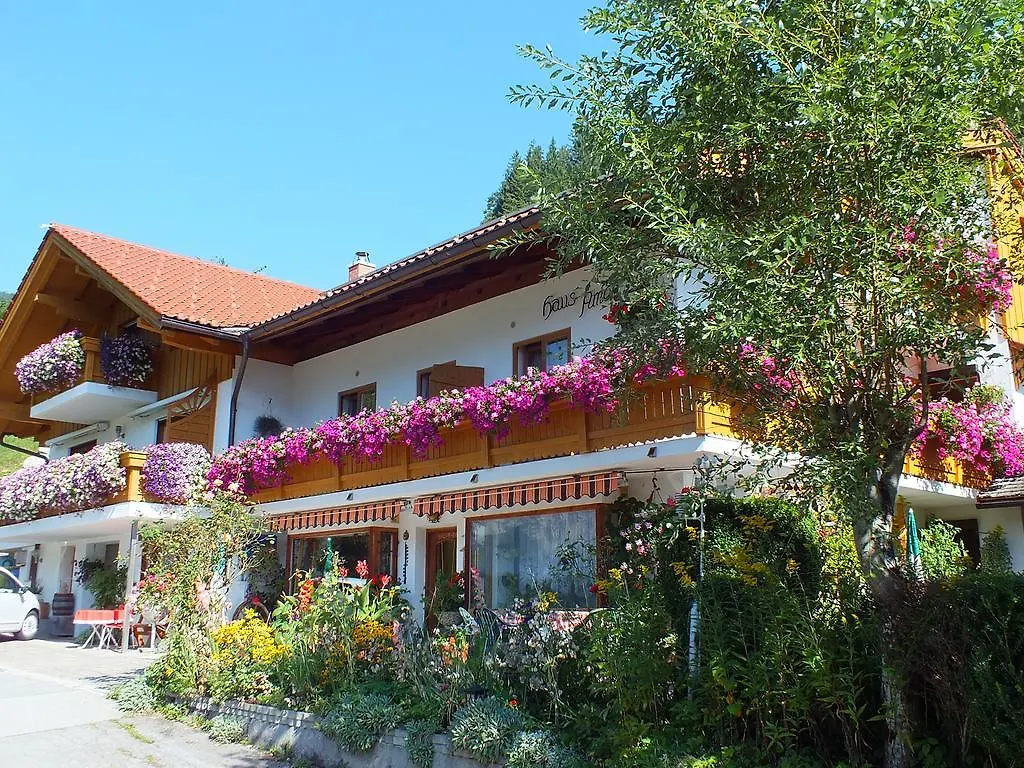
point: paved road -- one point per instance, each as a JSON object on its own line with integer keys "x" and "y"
{"x": 54, "y": 711}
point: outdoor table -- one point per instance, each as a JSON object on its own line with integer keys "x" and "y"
{"x": 103, "y": 624}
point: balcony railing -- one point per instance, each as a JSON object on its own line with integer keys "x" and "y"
{"x": 89, "y": 398}
{"x": 661, "y": 410}
{"x": 131, "y": 461}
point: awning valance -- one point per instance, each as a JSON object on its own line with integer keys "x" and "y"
{"x": 588, "y": 487}
{"x": 338, "y": 516}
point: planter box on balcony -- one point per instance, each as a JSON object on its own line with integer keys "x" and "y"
{"x": 90, "y": 399}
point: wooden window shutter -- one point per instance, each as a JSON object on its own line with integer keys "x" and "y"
{"x": 451, "y": 376}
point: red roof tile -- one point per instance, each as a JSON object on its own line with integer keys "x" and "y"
{"x": 185, "y": 288}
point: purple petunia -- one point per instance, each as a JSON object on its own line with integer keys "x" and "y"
{"x": 71, "y": 484}
{"x": 175, "y": 472}
{"x": 57, "y": 364}
{"x": 125, "y": 359}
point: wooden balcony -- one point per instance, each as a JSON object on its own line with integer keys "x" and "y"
{"x": 930, "y": 467}
{"x": 661, "y": 409}
{"x": 132, "y": 461}
{"x": 90, "y": 399}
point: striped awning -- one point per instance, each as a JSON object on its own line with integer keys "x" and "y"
{"x": 591, "y": 487}
{"x": 338, "y": 516}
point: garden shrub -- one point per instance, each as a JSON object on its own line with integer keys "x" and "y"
{"x": 962, "y": 646}
{"x": 135, "y": 695}
{"x": 995, "y": 552}
{"x": 245, "y": 654}
{"x": 357, "y": 721}
{"x": 226, "y": 729}
{"x": 419, "y": 741}
{"x": 485, "y": 728}
{"x": 943, "y": 556}
{"x": 541, "y": 748}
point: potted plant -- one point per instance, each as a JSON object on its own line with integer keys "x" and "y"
{"x": 448, "y": 596}
{"x": 44, "y": 607}
{"x": 106, "y": 582}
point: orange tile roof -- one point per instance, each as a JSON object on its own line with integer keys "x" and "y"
{"x": 185, "y": 288}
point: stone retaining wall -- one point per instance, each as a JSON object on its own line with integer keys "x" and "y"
{"x": 297, "y": 732}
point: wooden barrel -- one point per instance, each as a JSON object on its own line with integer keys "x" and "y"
{"x": 62, "y": 609}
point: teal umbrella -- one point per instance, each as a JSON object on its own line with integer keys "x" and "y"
{"x": 913, "y": 547}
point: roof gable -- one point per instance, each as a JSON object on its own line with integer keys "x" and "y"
{"x": 186, "y": 288}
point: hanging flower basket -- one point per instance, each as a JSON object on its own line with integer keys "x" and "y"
{"x": 55, "y": 365}
{"x": 125, "y": 359}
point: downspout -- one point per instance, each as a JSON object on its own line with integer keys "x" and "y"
{"x": 19, "y": 449}
{"x": 236, "y": 389}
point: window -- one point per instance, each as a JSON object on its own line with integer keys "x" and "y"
{"x": 82, "y": 447}
{"x": 8, "y": 584}
{"x": 519, "y": 555}
{"x": 377, "y": 546}
{"x": 542, "y": 353}
{"x": 355, "y": 400}
{"x": 442, "y": 377}
{"x": 161, "y": 431}
{"x": 423, "y": 383}
{"x": 951, "y": 383}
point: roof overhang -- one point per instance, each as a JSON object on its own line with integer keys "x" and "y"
{"x": 458, "y": 250}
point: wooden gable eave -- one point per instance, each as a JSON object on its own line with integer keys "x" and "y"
{"x": 104, "y": 279}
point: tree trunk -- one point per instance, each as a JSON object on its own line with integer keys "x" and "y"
{"x": 883, "y": 569}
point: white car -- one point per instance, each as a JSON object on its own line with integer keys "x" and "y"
{"x": 19, "y": 608}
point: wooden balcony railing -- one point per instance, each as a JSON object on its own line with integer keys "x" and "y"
{"x": 132, "y": 461}
{"x": 930, "y": 467}
{"x": 661, "y": 409}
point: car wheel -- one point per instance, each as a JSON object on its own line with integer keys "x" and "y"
{"x": 29, "y": 627}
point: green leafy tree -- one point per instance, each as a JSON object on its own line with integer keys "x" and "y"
{"x": 528, "y": 179}
{"x": 799, "y": 166}
{"x": 5, "y": 302}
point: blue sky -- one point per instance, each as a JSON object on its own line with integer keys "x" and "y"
{"x": 285, "y": 136}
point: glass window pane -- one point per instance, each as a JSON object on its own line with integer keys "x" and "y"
{"x": 387, "y": 554}
{"x": 518, "y": 557}
{"x": 557, "y": 353}
{"x": 530, "y": 357}
{"x": 368, "y": 400}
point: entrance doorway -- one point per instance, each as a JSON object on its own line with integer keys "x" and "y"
{"x": 442, "y": 557}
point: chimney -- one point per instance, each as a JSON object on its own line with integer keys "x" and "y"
{"x": 361, "y": 267}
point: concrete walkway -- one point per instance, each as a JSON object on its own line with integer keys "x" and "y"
{"x": 55, "y": 712}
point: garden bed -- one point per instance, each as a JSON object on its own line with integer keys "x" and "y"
{"x": 298, "y": 733}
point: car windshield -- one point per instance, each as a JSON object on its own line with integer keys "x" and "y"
{"x": 8, "y": 582}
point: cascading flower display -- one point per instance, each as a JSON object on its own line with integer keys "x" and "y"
{"x": 70, "y": 484}
{"x": 587, "y": 383}
{"x": 979, "y": 430}
{"x": 125, "y": 359}
{"x": 175, "y": 472}
{"x": 57, "y": 364}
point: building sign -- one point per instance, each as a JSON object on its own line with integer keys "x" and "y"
{"x": 586, "y": 297}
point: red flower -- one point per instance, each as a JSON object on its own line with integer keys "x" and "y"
{"x": 384, "y": 580}
{"x": 255, "y": 600}
{"x": 594, "y": 588}
{"x": 671, "y": 501}
{"x": 362, "y": 569}
{"x": 513, "y": 703}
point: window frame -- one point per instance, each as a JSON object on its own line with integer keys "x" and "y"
{"x": 375, "y": 532}
{"x": 600, "y": 514}
{"x": 355, "y": 392}
{"x": 544, "y": 340}
{"x": 426, "y": 372}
